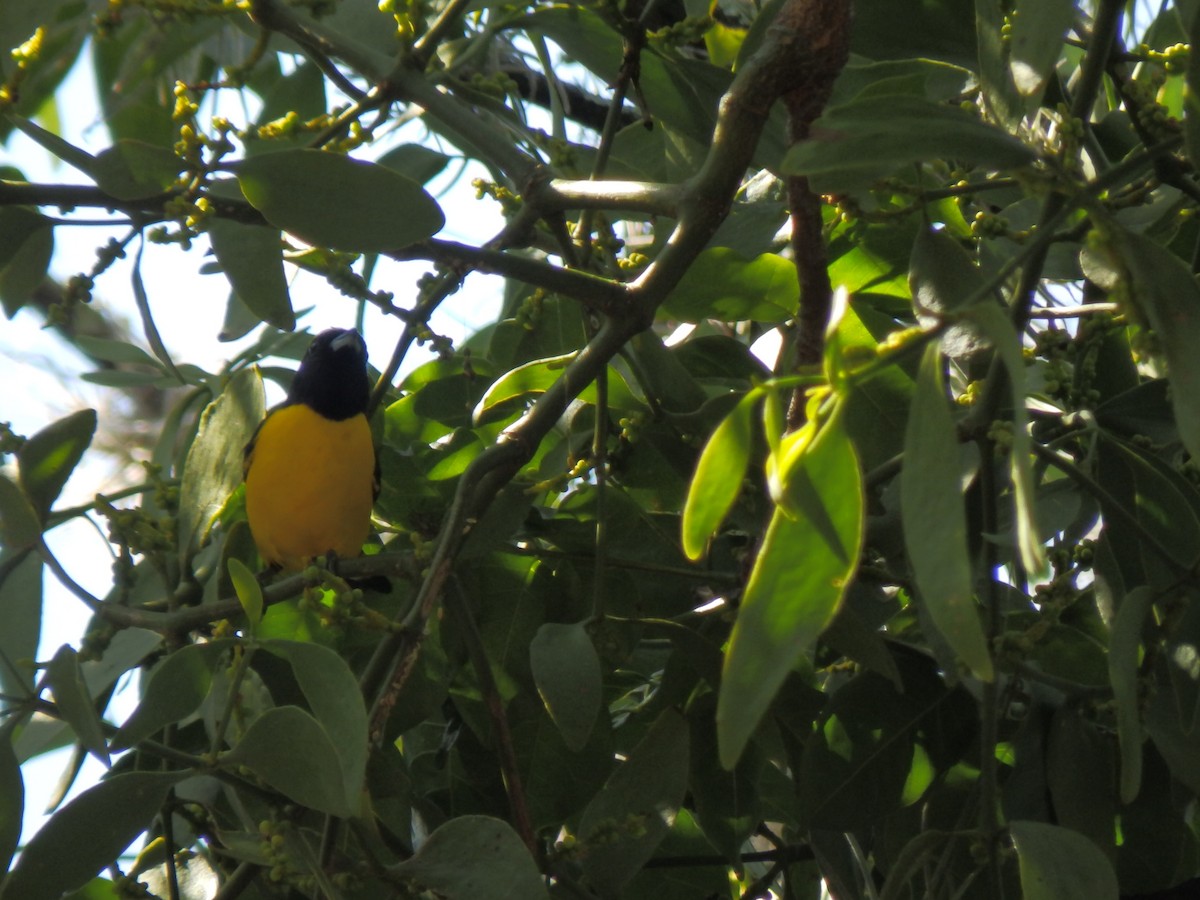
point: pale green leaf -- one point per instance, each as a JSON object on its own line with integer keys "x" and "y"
{"x": 248, "y": 590}
{"x": 720, "y": 472}
{"x": 74, "y": 702}
{"x": 46, "y": 460}
{"x": 214, "y": 463}
{"x": 806, "y": 560}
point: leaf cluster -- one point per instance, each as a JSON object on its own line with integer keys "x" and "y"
{"x": 672, "y": 614}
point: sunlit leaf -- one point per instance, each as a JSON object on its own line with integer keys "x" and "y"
{"x": 46, "y": 460}
{"x": 721, "y": 284}
{"x": 720, "y": 472}
{"x": 248, "y": 590}
{"x": 803, "y": 566}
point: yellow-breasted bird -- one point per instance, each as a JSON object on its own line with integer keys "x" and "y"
{"x": 310, "y": 469}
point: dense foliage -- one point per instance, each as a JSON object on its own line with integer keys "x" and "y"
{"x": 904, "y": 608}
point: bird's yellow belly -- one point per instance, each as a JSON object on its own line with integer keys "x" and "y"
{"x": 309, "y": 488}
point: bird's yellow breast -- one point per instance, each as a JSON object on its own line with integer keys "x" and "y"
{"x": 310, "y": 486}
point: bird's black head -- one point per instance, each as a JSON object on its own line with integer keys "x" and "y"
{"x": 332, "y": 378}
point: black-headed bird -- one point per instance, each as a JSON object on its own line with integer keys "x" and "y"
{"x": 310, "y": 469}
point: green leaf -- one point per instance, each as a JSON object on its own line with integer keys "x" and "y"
{"x": 213, "y": 469}
{"x": 634, "y": 810}
{"x": 122, "y": 352}
{"x": 728, "y": 805}
{"x": 12, "y": 799}
{"x": 26, "y": 243}
{"x": 252, "y": 258}
{"x": 1038, "y": 28}
{"x": 335, "y": 201}
{"x": 720, "y": 472}
{"x": 941, "y": 273}
{"x": 19, "y": 524}
{"x": 1123, "y": 646}
{"x": 1168, "y": 296}
{"x": 535, "y": 378}
{"x": 248, "y": 590}
{"x": 797, "y": 583}
{"x": 721, "y": 284}
{"x": 289, "y": 750}
{"x": 47, "y": 459}
{"x": 942, "y": 277}
{"x": 87, "y": 834}
{"x": 1059, "y": 864}
{"x": 1191, "y": 97}
{"x": 415, "y": 162}
{"x": 1079, "y": 756}
{"x": 872, "y": 137}
{"x": 175, "y": 689}
{"x": 334, "y": 696}
{"x": 995, "y": 324}
{"x": 1000, "y": 96}
{"x": 74, "y": 702}
{"x": 135, "y": 170}
{"x": 64, "y": 150}
{"x": 474, "y": 858}
{"x": 935, "y": 519}
{"x": 566, "y": 671}
{"x": 21, "y": 613}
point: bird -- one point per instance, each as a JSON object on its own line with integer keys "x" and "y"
{"x": 310, "y": 468}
